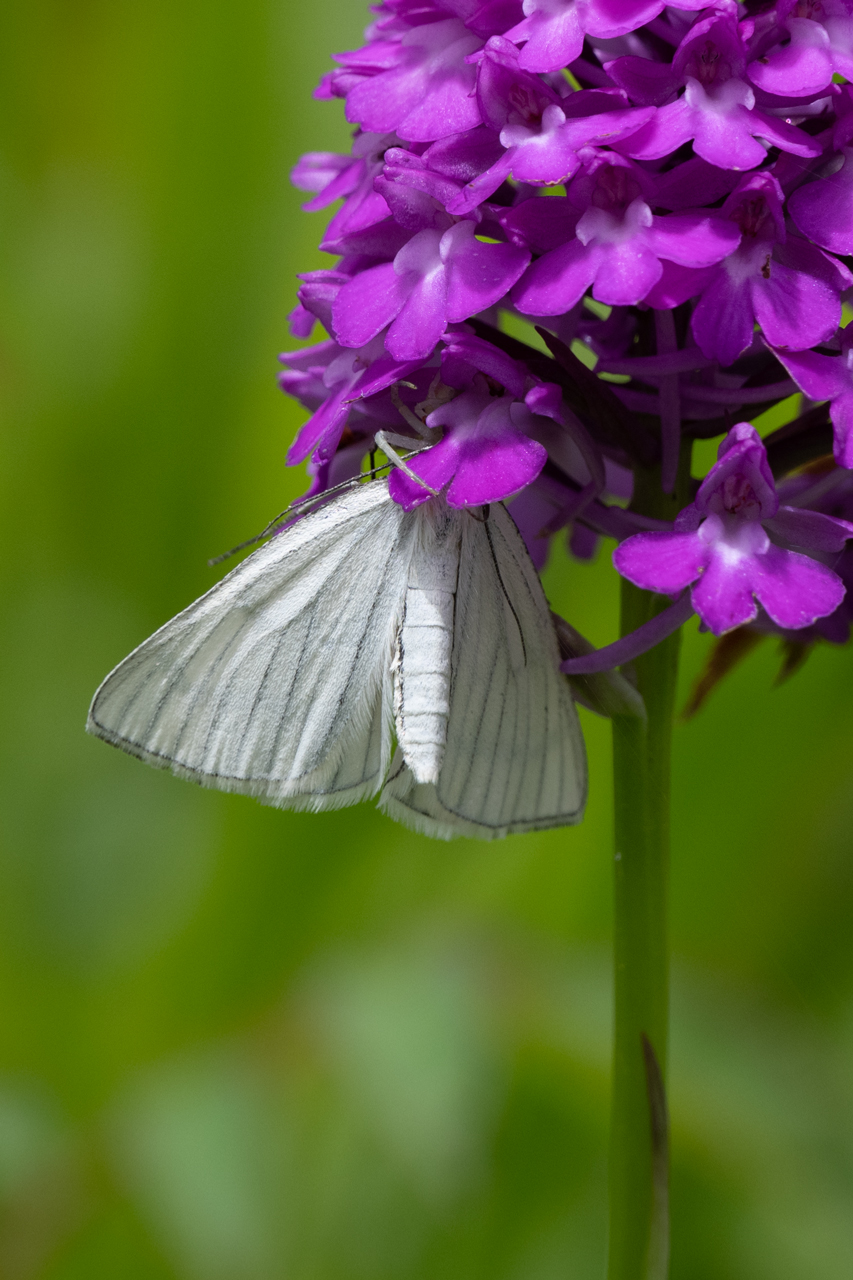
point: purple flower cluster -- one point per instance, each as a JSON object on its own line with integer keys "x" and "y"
{"x": 664, "y": 192}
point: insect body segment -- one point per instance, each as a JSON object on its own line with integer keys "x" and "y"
{"x": 424, "y": 646}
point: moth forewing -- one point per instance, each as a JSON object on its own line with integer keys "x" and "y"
{"x": 276, "y": 682}
{"x": 425, "y": 642}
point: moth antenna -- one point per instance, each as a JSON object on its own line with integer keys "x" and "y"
{"x": 305, "y": 505}
{"x": 241, "y": 546}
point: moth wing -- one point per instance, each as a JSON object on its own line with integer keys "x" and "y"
{"x": 514, "y": 759}
{"x": 276, "y": 683}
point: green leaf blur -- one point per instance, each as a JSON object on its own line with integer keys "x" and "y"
{"x": 237, "y": 1044}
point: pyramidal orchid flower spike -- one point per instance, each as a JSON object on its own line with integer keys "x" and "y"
{"x": 571, "y": 238}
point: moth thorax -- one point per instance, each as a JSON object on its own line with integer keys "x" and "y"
{"x": 422, "y": 666}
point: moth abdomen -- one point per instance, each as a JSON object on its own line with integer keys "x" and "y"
{"x": 424, "y": 650}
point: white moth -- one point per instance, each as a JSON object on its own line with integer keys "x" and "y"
{"x": 285, "y": 679}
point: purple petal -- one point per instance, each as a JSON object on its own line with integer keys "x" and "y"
{"x": 330, "y": 175}
{"x": 669, "y": 129}
{"x": 798, "y": 68}
{"x": 554, "y": 39}
{"x": 608, "y": 18}
{"x": 558, "y": 279}
{"x": 487, "y": 463}
{"x": 796, "y": 309}
{"x": 422, "y": 319}
{"x": 485, "y": 357}
{"x": 645, "y": 81}
{"x": 545, "y": 159}
{"x": 678, "y": 284}
{"x": 405, "y": 492}
{"x": 784, "y": 135}
{"x": 495, "y": 17}
{"x": 541, "y": 224}
{"x": 663, "y": 562}
{"x": 367, "y": 304}
{"x": 740, "y": 484}
{"x": 726, "y": 140}
{"x": 819, "y": 377}
{"x": 495, "y": 463}
{"x": 794, "y": 589}
{"x": 381, "y": 373}
{"x": 479, "y": 274}
{"x": 723, "y": 320}
{"x": 430, "y": 95}
{"x": 693, "y": 183}
{"x": 415, "y": 195}
{"x": 357, "y": 215}
{"x": 693, "y": 239}
{"x": 435, "y": 466}
{"x": 841, "y": 414}
{"x": 323, "y": 428}
{"x": 463, "y": 156}
{"x": 811, "y": 530}
{"x": 380, "y": 239}
{"x": 481, "y": 187}
{"x": 492, "y": 455}
{"x": 626, "y": 272}
{"x": 824, "y": 210}
{"x": 723, "y": 596}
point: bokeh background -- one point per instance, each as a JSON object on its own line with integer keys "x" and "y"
{"x": 237, "y": 1044}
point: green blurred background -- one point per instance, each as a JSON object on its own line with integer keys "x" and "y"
{"x": 236, "y": 1043}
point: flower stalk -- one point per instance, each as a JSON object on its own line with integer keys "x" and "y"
{"x": 638, "y": 1169}
{"x": 641, "y": 756}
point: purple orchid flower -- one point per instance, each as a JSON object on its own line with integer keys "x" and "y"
{"x": 436, "y": 279}
{"x": 618, "y": 242}
{"x": 486, "y": 454}
{"x": 416, "y": 193}
{"x": 553, "y": 30}
{"x": 328, "y": 174}
{"x": 823, "y": 377}
{"x": 350, "y": 178}
{"x": 331, "y": 380}
{"x": 717, "y": 111}
{"x": 808, "y": 42}
{"x": 787, "y": 286}
{"x": 541, "y": 131}
{"x": 420, "y": 85}
{"x": 727, "y": 543}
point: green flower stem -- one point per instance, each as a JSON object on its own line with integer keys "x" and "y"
{"x": 638, "y": 1170}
